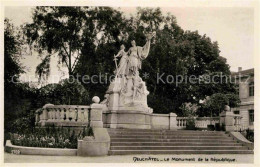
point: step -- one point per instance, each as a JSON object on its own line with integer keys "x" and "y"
{"x": 167, "y": 140}
{"x": 160, "y": 131}
{"x": 127, "y": 152}
{"x": 178, "y": 148}
{"x": 165, "y": 133}
{"x": 213, "y": 143}
{"x": 168, "y": 136}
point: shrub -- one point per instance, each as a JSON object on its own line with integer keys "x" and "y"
{"x": 49, "y": 137}
{"x": 190, "y": 124}
{"x": 250, "y": 135}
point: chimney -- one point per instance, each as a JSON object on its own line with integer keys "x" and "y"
{"x": 239, "y": 69}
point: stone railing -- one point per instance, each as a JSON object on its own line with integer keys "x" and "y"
{"x": 200, "y": 122}
{"x": 181, "y": 122}
{"x": 230, "y": 121}
{"x": 237, "y": 123}
{"x": 203, "y": 122}
{"x": 62, "y": 115}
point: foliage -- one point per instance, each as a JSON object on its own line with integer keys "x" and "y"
{"x": 12, "y": 48}
{"x": 189, "y": 111}
{"x": 23, "y": 124}
{"x": 49, "y": 137}
{"x": 43, "y": 69}
{"x": 66, "y": 30}
{"x": 190, "y": 124}
{"x": 65, "y": 92}
{"x": 250, "y": 135}
{"x": 92, "y": 35}
{"x": 215, "y": 104}
{"x": 16, "y": 95}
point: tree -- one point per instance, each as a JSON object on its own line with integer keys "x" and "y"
{"x": 95, "y": 35}
{"x": 15, "y": 93}
{"x": 63, "y": 93}
{"x": 64, "y": 31}
{"x": 12, "y": 48}
{"x": 174, "y": 52}
{"x": 12, "y": 68}
{"x": 215, "y": 104}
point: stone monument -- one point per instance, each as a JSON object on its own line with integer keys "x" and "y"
{"x": 126, "y": 98}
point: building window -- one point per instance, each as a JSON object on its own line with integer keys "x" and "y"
{"x": 251, "y": 89}
{"x": 236, "y": 112}
{"x": 251, "y": 117}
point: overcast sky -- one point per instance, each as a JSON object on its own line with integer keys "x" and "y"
{"x": 232, "y": 28}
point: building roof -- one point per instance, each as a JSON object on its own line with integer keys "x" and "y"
{"x": 243, "y": 72}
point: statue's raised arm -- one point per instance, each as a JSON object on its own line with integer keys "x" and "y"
{"x": 144, "y": 51}
{"x": 137, "y": 54}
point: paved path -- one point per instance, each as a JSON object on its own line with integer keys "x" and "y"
{"x": 233, "y": 158}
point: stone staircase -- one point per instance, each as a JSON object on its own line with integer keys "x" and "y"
{"x": 140, "y": 141}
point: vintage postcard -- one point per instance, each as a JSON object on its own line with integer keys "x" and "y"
{"x": 130, "y": 82}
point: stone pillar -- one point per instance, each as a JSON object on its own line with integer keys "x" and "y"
{"x": 96, "y": 113}
{"x": 227, "y": 121}
{"x": 173, "y": 121}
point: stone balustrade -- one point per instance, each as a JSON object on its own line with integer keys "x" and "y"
{"x": 76, "y": 115}
{"x": 200, "y": 122}
{"x": 181, "y": 122}
{"x": 237, "y": 123}
{"x": 203, "y": 122}
{"x": 230, "y": 121}
{"x": 63, "y": 115}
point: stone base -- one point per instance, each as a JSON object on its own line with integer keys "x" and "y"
{"x": 98, "y": 146}
{"x": 128, "y": 120}
{"x": 229, "y": 128}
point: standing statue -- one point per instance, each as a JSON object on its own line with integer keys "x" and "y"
{"x": 122, "y": 67}
{"x": 137, "y": 54}
{"x": 128, "y": 88}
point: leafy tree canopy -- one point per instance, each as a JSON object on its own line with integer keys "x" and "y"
{"x": 92, "y": 35}
{"x": 215, "y": 104}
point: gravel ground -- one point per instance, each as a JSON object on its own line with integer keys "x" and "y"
{"x": 214, "y": 158}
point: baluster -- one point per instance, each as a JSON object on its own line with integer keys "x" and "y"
{"x": 72, "y": 114}
{"x": 80, "y": 114}
{"x": 57, "y": 114}
{"x": 41, "y": 116}
{"x": 62, "y": 116}
{"x": 48, "y": 114}
{"x": 77, "y": 113}
{"x": 45, "y": 114}
{"x": 67, "y": 112}
{"x": 52, "y": 114}
{"x": 85, "y": 115}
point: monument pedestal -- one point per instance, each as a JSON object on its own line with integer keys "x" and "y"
{"x": 128, "y": 120}
{"x": 124, "y": 109}
{"x": 227, "y": 121}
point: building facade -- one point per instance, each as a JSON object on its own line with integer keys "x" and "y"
{"x": 245, "y": 81}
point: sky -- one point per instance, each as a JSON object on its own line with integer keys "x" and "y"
{"x": 232, "y": 28}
